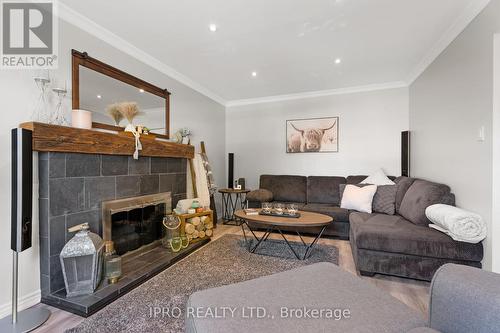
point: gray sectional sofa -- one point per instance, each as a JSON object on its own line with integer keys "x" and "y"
{"x": 463, "y": 300}
{"x": 401, "y": 244}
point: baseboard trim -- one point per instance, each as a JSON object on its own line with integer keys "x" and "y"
{"x": 24, "y": 302}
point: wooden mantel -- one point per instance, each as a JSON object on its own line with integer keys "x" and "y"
{"x": 55, "y": 138}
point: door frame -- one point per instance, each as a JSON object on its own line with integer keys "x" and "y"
{"x": 495, "y": 225}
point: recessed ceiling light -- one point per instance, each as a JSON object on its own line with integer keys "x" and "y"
{"x": 254, "y": 74}
{"x": 99, "y": 96}
{"x": 141, "y": 90}
{"x": 338, "y": 61}
{"x": 212, "y": 27}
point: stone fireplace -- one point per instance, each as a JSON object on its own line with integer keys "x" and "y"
{"x": 77, "y": 188}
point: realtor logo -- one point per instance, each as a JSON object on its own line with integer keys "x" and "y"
{"x": 29, "y": 34}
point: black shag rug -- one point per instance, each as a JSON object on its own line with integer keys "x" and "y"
{"x": 221, "y": 262}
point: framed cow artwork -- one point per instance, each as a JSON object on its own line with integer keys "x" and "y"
{"x": 315, "y": 135}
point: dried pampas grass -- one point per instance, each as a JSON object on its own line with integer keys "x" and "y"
{"x": 113, "y": 111}
{"x": 129, "y": 110}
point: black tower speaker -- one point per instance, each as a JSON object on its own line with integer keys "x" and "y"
{"x": 405, "y": 153}
{"x": 230, "y": 171}
{"x": 22, "y": 189}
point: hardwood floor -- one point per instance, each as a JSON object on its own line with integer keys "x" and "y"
{"x": 413, "y": 293}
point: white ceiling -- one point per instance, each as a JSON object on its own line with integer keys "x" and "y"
{"x": 291, "y": 44}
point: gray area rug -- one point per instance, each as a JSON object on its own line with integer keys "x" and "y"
{"x": 221, "y": 262}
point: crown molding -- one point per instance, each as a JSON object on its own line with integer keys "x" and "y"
{"x": 449, "y": 36}
{"x": 319, "y": 93}
{"x": 73, "y": 17}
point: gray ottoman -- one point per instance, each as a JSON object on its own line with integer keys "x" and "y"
{"x": 316, "y": 298}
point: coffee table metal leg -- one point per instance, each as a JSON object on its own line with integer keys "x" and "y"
{"x": 257, "y": 239}
{"x": 262, "y": 239}
{"x": 311, "y": 246}
{"x": 267, "y": 237}
{"x": 307, "y": 247}
{"x": 288, "y": 243}
{"x": 302, "y": 239}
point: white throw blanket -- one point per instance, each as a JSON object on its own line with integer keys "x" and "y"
{"x": 459, "y": 224}
{"x": 201, "y": 181}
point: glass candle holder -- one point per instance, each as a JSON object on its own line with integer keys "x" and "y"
{"x": 266, "y": 207}
{"x": 278, "y": 208}
{"x": 292, "y": 209}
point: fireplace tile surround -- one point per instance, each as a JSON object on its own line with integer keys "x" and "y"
{"x": 73, "y": 186}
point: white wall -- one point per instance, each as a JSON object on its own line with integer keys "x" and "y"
{"x": 496, "y": 159}
{"x": 18, "y": 95}
{"x": 449, "y": 103}
{"x": 370, "y": 128}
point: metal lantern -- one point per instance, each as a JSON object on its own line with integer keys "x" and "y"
{"x": 81, "y": 261}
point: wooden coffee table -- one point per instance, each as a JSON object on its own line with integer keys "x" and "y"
{"x": 307, "y": 220}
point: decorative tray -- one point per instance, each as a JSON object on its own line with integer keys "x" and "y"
{"x": 297, "y": 215}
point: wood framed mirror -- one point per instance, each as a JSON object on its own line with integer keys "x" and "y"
{"x": 96, "y": 85}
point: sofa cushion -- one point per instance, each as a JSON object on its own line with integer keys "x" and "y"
{"x": 395, "y": 234}
{"x": 384, "y": 200}
{"x": 419, "y": 196}
{"x": 403, "y": 184}
{"x": 285, "y": 188}
{"x": 357, "y": 179}
{"x": 338, "y": 214}
{"x": 260, "y": 195}
{"x": 324, "y": 189}
{"x": 316, "y": 286}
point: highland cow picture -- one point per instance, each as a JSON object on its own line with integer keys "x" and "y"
{"x": 317, "y": 135}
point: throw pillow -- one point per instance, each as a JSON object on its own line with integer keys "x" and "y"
{"x": 403, "y": 183}
{"x": 419, "y": 196}
{"x": 261, "y": 195}
{"x": 384, "y": 200}
{"x": 378, "y": 178}
{"x": 358, "y": 198}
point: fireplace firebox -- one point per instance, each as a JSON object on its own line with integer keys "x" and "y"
{"x": 135, "y": 224}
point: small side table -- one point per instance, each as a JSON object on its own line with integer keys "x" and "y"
{"x": 232, "y": 200}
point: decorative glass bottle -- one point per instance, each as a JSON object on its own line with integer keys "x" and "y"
{"x": 112, "y": 263}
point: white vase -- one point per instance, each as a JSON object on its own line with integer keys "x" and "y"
{"x": 130, "y": 128}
